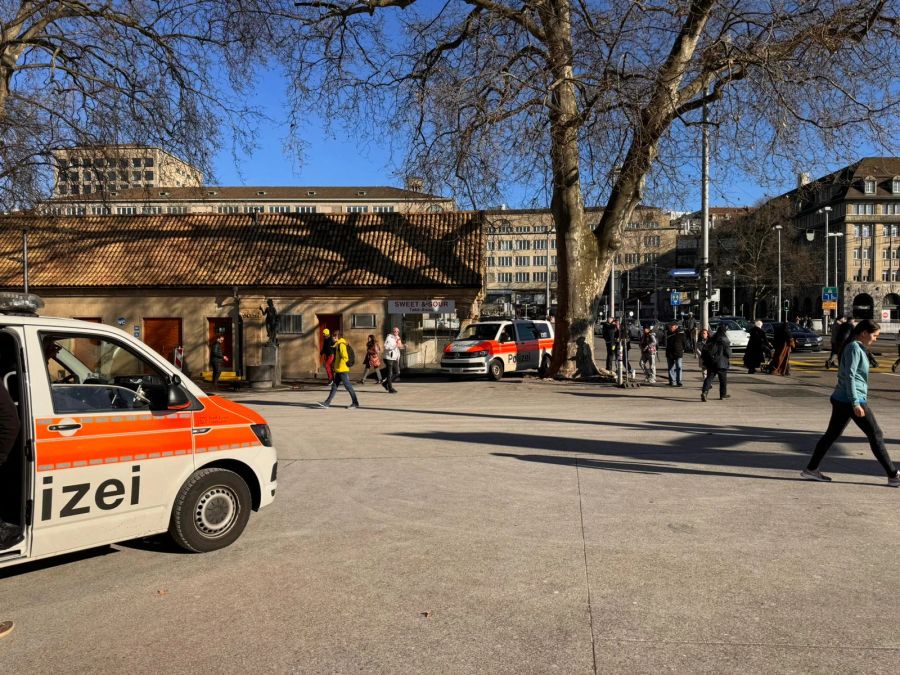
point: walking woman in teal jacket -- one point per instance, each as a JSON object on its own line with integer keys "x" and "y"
{"x": 849, "y": 401}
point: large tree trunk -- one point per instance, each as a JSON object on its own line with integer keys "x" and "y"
{"x": 579, "y": 278}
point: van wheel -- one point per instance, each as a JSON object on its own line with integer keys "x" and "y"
{"x": 495, "y": 370}
{"x": 211, "y": 510}
{"x": 545, "y": 366}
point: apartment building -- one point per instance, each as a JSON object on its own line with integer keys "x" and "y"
{"x": 232, "y": 200}
{"x": 855, "y": 211}
{"x": 521, "y": 258}
{"x": 90, "y": 172}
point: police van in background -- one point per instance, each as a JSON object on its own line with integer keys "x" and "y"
{"x": 114, "y": 445}
{"x": 495, "y": 347}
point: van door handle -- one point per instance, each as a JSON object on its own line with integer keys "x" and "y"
{"x": 64, "y": 427}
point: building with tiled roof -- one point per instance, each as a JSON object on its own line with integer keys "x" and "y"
{"x": 859, "y": 204}
{"x": 183, "y": 279}
{"x": 157, "y": 200}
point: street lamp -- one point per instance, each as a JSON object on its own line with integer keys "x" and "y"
{"x": 733, "y": 276}
{"x": 779, "y": 228}
{"x": 836, "y": 236}
{"x": 826, "y": 210}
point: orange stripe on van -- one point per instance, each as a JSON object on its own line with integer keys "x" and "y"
{"x": 228, "y": 438}
{"x": 114, "y": 424}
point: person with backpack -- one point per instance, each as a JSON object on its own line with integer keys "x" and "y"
{"x": 648, "y": 354}
{"x": 675, "y": 341}
{"x": 344, "y": 359}
{"x": 372, "y": 361}
{"x": 390, "y": 354}
{"x": 849, "y": 401}
{"x": 716, "y": 356}
{"x": 327, "y": 353}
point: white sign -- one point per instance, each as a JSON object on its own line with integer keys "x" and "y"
{"x": 421, "y": 306}
{"x": 885, "y": 315}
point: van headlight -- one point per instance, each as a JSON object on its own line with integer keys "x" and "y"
{"x": 263, "y": 433}
{"x": 478, "y": 353}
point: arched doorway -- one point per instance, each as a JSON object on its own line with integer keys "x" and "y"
{"x": 891, "y": 303}
{"x": 863, "y": 307}
{"x": 807, "y": 306}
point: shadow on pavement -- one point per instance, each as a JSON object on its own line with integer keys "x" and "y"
{"x": 702, "y": 444}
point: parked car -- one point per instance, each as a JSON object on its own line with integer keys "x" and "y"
{"x": 741, "y": 321}
{"x": 737, "y": 336}
{"x": 806, "y": 339}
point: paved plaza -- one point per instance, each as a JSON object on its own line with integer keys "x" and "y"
{"x": 511, "y": 527}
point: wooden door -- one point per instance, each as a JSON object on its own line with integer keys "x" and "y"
{"x": 163, "y": 335}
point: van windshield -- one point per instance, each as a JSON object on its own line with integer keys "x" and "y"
{"x": 479, "y": 331}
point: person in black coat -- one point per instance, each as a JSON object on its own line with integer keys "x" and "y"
{"x": 717, "y": 358}
{"x": 675, "y": 342}
{"x": 609, "y": 331}
{"x": 759, "y": 349}
{"x": 840, "y": 331}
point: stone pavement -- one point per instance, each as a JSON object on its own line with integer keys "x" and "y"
{"x": 512, "y": 527}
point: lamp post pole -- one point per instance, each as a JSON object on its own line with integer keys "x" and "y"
{"x": 779, "y": 228}
{"x": 547, "y": 296}
{"x": 733, "y": 276}
{"x": 826, "y": 210}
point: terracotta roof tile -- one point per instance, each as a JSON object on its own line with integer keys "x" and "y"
{"x": 271, "y": 250}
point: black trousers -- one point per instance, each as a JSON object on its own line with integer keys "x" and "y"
{"x": 711, "y": 374}
{"x": 841, "y": 414}
{"x": 610, "y": 354}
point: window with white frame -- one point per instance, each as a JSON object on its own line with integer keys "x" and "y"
{"x": 491, "y": 261}
{"x": 553, "y": 259}
{"x": 540, "y": 277}
{"x": 126, "y": 210}
{"x": 279, "y": 209}
{"x": 357, "y": 209}
{"x": 618, "y": 259}
{"x": 504, "y": 277}
{"x": 632, "y": 258}
{"x": 553, "y": 243}
{"x": 539, "y": 261}
{"x": 151, "y": 210}
{"x": 895, "y": 185}
{"x": 382, "y": 209}
{"x": 651, "y": 257}
{"x": 553, "y": 277}
{"x": 100, "y": 210}
{"x": 856, "y": 255}
{"x": 506, "y": 245}
{"x": 363, "y": 321}
{"x": 866, "y": 231}
{"x": 504, "y": 261}
{"x": 253, "y": 209}
{"x": 523, "y": 277}
{"x": 866, "y": 253}
{"x": 523, "y": 244}
{"x": 290, "y": 324}
{"x": 869, "y": 185}
{"x": 653, "y": 241}
{"x": 540, "y": 244}
{"x": 523, "y": 261}
{"x": 306, "y": 209}
{"x": 228, "y": 209}
{"x": 176, "y": 209}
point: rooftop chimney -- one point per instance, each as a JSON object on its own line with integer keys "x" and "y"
{"x": 803, "y": 178}
{"x": 414, "y": 183}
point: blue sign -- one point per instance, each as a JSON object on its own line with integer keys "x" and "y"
{"x": 676, "y": 297}
{"x": 683, "y": 272}
{"x": 829, "y": 293}
{"x": 137, "y": 330}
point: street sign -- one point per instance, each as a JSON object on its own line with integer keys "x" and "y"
{"x": 676, "y": 298}
{"x": 829, "y": 305}
{"x": 885, "y": 315}
{"x": 829, "y": 293}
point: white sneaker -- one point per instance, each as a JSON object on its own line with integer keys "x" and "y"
{"x": 806, "y": 474}
{"x": 895, "y": 481}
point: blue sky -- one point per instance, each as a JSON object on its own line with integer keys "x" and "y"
{"x": 333, "y": 158}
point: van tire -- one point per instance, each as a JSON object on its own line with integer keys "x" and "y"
{"x": 211, "y": 510}
{"x": 545, "y": 366}
{"x": 495, "y": 370}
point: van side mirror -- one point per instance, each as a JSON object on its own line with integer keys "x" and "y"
{"x": 177, "y": 398}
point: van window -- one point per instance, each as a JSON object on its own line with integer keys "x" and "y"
{"x": 542, "y": 328}
{"x": 527, "y": 331}
{"x": 91, "y": 374}
{"x": 479, "y": 331}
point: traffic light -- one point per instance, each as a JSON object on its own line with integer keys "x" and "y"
{"x": 787, "y": 305}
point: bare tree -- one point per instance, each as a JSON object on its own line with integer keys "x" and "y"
{"x": 594, "y": 98}
{"x": 75, "y": 72}
{"x": 748, "y": 245}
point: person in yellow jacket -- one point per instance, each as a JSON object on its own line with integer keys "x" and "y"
{"x": 341, "y": 372}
